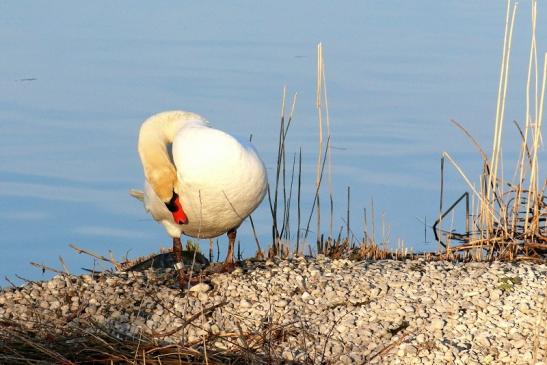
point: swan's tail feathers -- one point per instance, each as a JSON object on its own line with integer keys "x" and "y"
{"x": 137, "y": 194}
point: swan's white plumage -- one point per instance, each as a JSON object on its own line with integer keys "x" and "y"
{"x": 220, "y": 179}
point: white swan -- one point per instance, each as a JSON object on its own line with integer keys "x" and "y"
{"x": 199, "y": 181}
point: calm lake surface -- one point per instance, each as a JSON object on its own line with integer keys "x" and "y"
{"x": 77, "y": 79}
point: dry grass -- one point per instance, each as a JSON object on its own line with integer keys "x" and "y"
{"x": 87, "y": 342}
{"x": 509, "y": 220}
{"x": 46, "y": 337}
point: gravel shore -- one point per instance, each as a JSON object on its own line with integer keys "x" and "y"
{"x": 317, "y": 310}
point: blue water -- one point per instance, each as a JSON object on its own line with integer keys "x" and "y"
{"x": 77, "y": 79}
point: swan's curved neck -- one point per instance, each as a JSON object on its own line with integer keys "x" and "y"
{"x": 155, "y": 136}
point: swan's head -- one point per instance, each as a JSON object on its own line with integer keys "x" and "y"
{"x": 174, "y": 206}
{"x": 163, "y": 180}
{"x": 163, "y": 183}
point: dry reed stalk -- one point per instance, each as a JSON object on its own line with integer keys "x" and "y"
{"x": 323, "y": 113}
{"x": 316, "y": 196}
{"x": 347, "y": 216}
{"x": 500, "y": 107}
{"x": 373, "y": 219}
{"x": 319, "y": 88}
{"x": 63, "y": 264}
{"x": 47, "y": 268}
{"x": 501, "y": 118}
{"x": 386, "y": 349}
{"x": 472, "y": 140}
{"x": 298, "y": 202}
{"x": 532, "y": 69}
{"x": 524, "y": 137}
{"x": 365, "y": 227}
{"x": 533, "y": 183}
{"x": 386, "y": 233}
{"x": 485, "y": 205}
{"x": 110, "y": 260}
{"x": 329, "y": 151}
{"x": 441, "y": 199}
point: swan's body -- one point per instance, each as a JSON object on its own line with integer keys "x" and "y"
{"x": 219, "y": 180}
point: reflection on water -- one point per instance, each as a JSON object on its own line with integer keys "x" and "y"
{"x": 77, "y": 80}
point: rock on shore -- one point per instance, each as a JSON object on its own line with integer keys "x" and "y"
{"x": 320, "y": 310}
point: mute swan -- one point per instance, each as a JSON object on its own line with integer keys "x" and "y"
{"x": 199, "y": 181}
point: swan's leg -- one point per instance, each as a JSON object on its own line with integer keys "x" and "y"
{"x": 231, "y": 242}
{"x": 179, "y": 265}
{"x": 228, "y": 264}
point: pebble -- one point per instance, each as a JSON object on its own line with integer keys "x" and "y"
{"x": 483, "y": 340}
{"x": 437, "y": 324}
{"x": 243, "y": 303}
{"x": 200, "y": 288}
{"x": 443, "y": 313}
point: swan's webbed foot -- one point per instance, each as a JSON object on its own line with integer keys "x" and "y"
{"x": 229, "y": 263}
{"x": 222, "y": 268}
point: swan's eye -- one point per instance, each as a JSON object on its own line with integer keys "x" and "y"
{"x": 172, "y": 204}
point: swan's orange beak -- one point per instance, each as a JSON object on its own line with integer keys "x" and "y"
{"x": 178, "y": 215}
{"x": 175, "y": 208}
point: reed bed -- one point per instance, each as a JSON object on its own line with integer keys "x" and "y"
{"x": 509, "y": 219}
{"x": 288, "y": 187}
